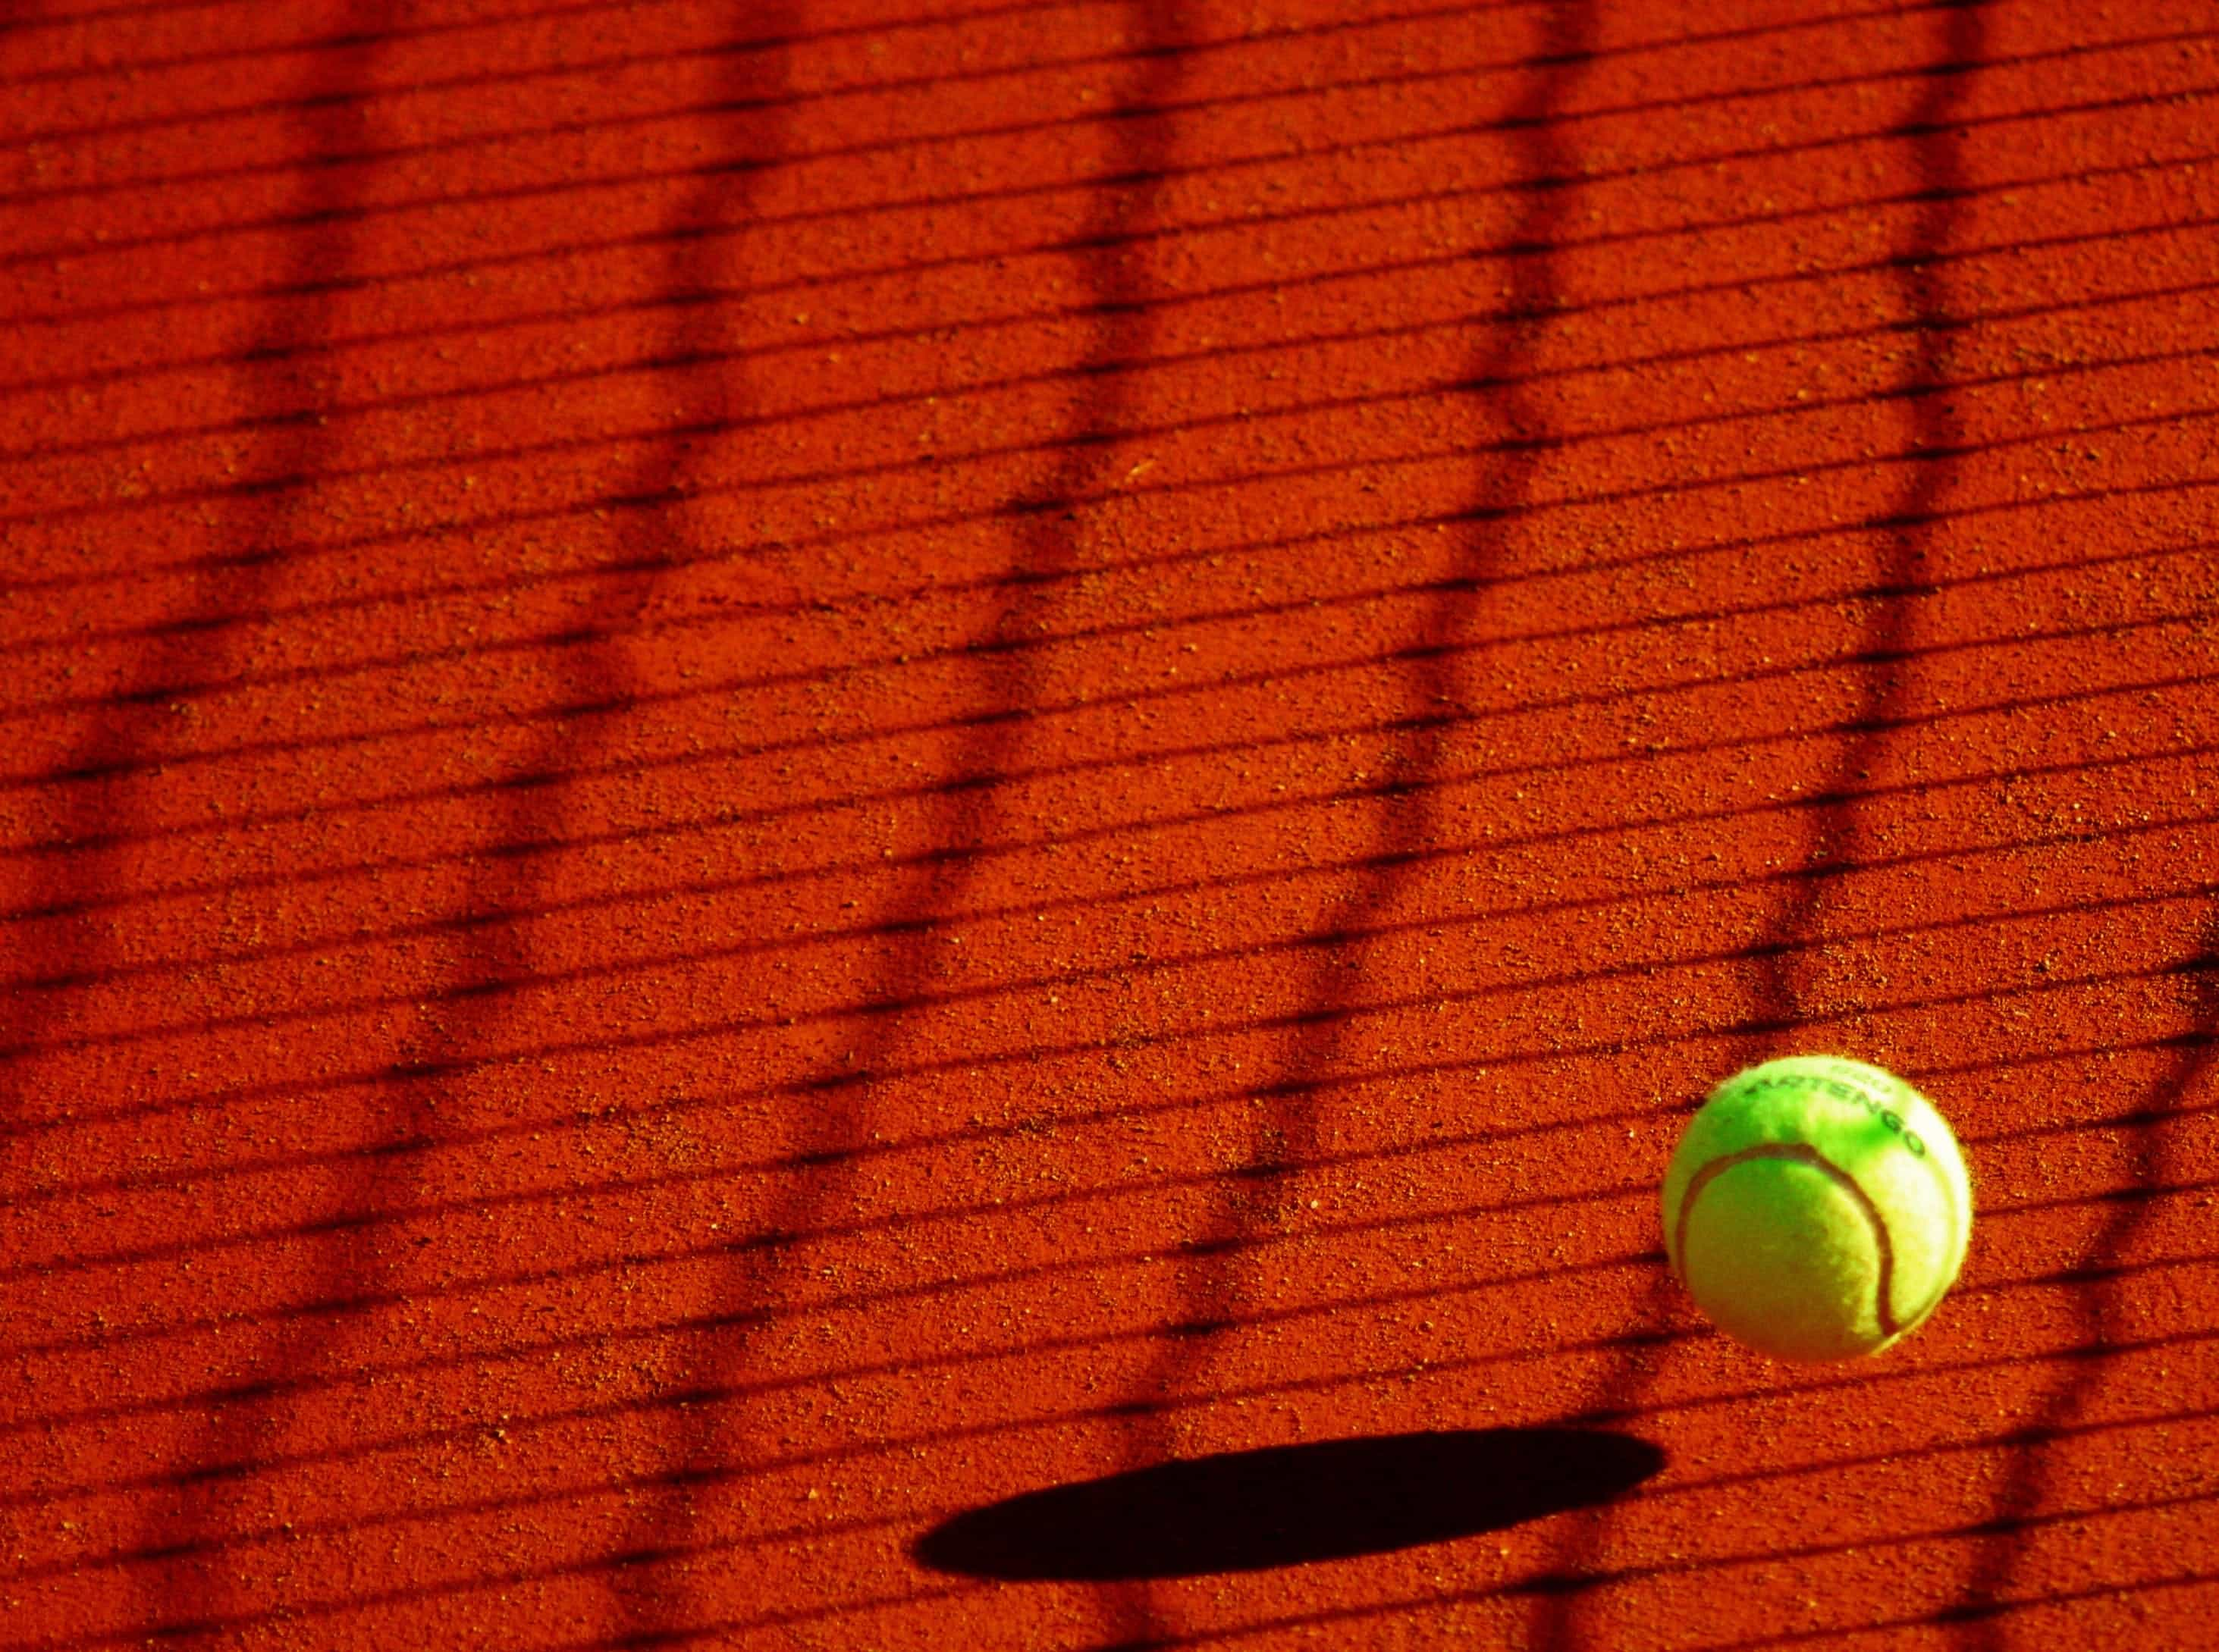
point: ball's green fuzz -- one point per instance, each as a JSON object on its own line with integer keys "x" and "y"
{"x": 1817, "y": 1207}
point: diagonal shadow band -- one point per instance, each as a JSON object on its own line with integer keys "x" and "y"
{"x": 1252, "y": 1197}
{"x": 2033, "y": 1482}
{"x": 667, "y": 57}
{"x": 1290, "y": 1504}
{"x": 1017, "y": 126}
{"x": 1907, "y": 554}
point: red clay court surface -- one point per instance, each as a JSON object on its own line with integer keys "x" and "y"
{"x": 771, "y": 769}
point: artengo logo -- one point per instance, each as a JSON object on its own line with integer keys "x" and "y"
{"x": 1855, "y": 1096}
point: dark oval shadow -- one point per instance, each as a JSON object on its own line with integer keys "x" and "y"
{"x": 1248, "y": 1511}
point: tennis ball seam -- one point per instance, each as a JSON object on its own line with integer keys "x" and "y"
{"x": 1803, "y": 1153}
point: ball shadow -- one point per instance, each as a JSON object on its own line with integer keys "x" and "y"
{"x": 1286, "y": 1505}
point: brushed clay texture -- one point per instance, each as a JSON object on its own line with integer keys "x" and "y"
{"x": 913, "y": 823}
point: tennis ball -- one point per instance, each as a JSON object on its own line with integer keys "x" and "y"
{"x": 1817, "y": 1207}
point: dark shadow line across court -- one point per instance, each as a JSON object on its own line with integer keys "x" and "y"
{"x": 1063, "y": 1200}
{"x": 1934, "y": 442}
{"x": 758, "y": 1387}
{"x": 155, "y": 438}
{"x": 1954, "y": 853}
{"x": 307, "y": 877}
{"x": 1687, "y": 1326}
{"x": 477, "y": 1357}
{"x": 1056, "y": 246}
{"x": 108, "y": 1338}
{"x": 493, "y": 948}
{"x": 800, "y": 1620}
{"x": 2156, "y": 1155}
{"x": 722, "y": 51}
{"x": 140, "y": 68}
{"x": 1785, "y": 411}
{"x": 360, "y": 1449}
{"x": 1830, "y": 795}
{"x": 1044, "y": 538}
{"x": 180, "y": 681}
{"x": 778, "y": 1019}
{"x": 572, "y": 183}
{"x": 1248, "y": 40}
{"x": 356, "y": 936}
{"x": 126, "y": 733}
{"x": 153, "y": 8}
{"x": 1676, "y": 551}
{"x": 1547, "y": 1581}
{"x": 121, "y": 245}
{"x": 2049, "y": 1599}
{"x": 1138, "y": 757}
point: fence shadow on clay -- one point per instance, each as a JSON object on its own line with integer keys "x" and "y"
{"x": 1156, "y": 821}
{"x": 701, "y": 359}
{"x": 172, "y": 678}
{"x": 202, "y": 1512}
{"x": 525, "y": 824}
{"x": 410, "y": 32}
{"x": 79, "y": 971}
{"x": 655, "y": 503}
{"x": 166, "y": 686}
{"x": 215, "y": 1175}
{"x": 1937, "y": 434}
{"x": 1531, "y": 1136}
{"x": 2147, "y": 901}
{"x": 1643, "y": 107}
{"x": 1394, "y": 859}
{"x": 1049, "y": 543}
{"x": 328, "y": 118}
{"x": 1514, "y": 254}
{"x": 484, "y": 1283}
{"x": 913, "y": 1522}
{"x": 1050, "y": 639}
{"x": 1931, "y": 444}
{"x": 2021, "y": 1501}
{"x": 1214, "y": 1288}
{"x": 789, "y": 101}
{"x": 1545, "y": 1284}
{"x": 1045, "y": 546}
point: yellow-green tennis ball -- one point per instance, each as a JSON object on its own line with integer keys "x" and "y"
{"x": 1817, "y": 1207}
